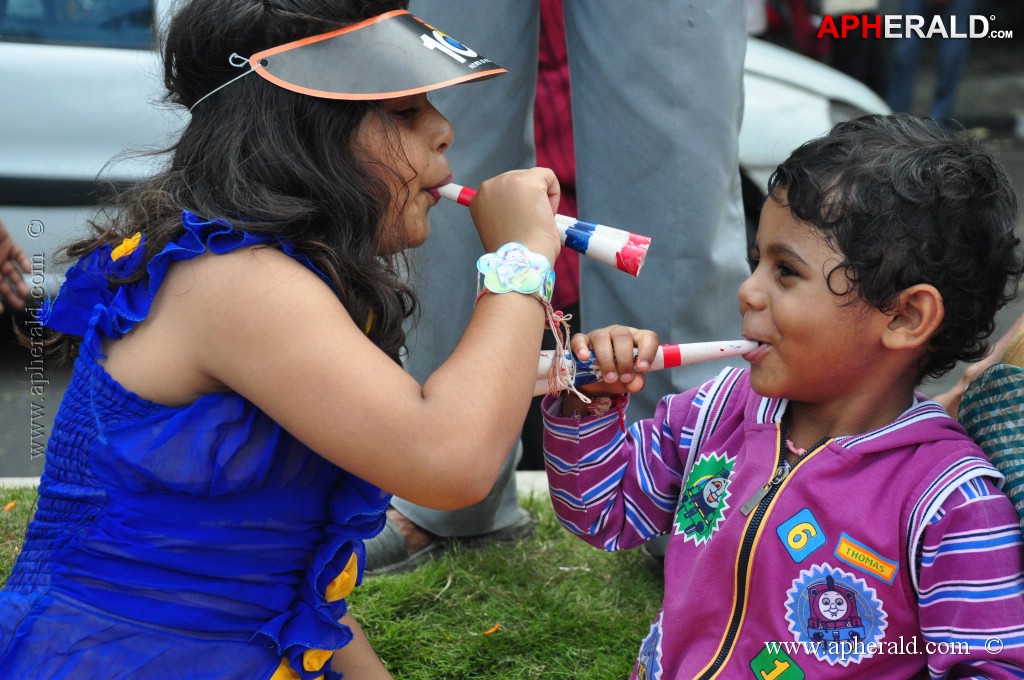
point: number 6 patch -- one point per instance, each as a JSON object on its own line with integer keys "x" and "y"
{"x": 801, "y": 535}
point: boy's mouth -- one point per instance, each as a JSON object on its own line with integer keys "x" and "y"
{"x": 755, "y": 354}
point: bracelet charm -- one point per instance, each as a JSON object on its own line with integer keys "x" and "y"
{"x": 516, "y": 268}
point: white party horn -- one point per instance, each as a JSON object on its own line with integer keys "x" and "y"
{"x": 668, "y": 356}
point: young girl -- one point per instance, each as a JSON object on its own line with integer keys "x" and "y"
{"x": 824, "y": 519}
{"x": 238, "y": 415}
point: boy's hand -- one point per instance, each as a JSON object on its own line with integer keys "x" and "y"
{"x": 623, "y": 354}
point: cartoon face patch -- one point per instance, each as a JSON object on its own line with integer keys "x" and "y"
{"x": 835, "y": 614}
{"x": 704, "y": 498}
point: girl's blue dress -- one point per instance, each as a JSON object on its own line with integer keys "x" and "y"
{"x": 200, "y": 541}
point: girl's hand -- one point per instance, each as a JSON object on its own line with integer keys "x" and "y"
{"x": 613, "y": 350}
{"x": 519, "y": 206}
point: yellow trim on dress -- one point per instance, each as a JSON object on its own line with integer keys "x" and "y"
{"x": 285, "y": 672}
{"x": 127, "y": 246}
{"x": 344, "y": 582}
{"x": 315, "y": 659}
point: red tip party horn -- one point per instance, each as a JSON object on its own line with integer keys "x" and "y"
{"x": 623, "y": 250}
{"x": 668, "y": 356}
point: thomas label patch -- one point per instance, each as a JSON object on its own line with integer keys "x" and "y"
{"x": 775, "y": 665}
{"x": 859, "y": 556}
{"x": 801, "y": 535}
{"x": 835, "y": 615}
{"x": 704, "y": 498}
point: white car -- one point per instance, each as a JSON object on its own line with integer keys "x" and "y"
{"x": 789, "y": 99}
{"x": 79, "y": 84}
{"x": 78, "y": 88}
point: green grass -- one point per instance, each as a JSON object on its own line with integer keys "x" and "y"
{"x": 562, "y": 608}
{"x": 12, "y": 525}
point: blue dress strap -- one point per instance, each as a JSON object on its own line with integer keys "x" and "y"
{"x": 89, "y": 298}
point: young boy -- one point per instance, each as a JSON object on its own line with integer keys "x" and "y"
{"x": 825, "y": 519}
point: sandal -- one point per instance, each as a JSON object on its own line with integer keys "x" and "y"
{"x": 388, "y": 552}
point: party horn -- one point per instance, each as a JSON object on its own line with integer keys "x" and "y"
{"x": 668, "y": 356}
{"x": 623, "y": 250}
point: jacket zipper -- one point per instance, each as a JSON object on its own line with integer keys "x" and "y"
{"x": 758, "y": 504}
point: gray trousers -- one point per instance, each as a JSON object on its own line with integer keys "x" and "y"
{"x": 657, "y": 103}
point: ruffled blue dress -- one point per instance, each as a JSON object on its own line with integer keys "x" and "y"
{"x": 200, "y": 541}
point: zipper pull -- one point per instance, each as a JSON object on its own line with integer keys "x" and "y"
{"x": 780, "y": 474}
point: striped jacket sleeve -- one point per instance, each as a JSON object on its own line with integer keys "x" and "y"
{"x": 618, "y": 489}
{"x": 971, "y": 600}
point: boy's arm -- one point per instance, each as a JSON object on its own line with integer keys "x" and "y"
{"x": 612, "y": 488}
{"x": 971, "y": 600}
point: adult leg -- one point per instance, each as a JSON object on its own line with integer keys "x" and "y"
{"x": 657, "y": 104}
{"x": 952, "y": 59}
{"x": 903, "y": 56}
{"x": 493, "y": 132}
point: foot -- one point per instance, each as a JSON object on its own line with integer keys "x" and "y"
{"x": 416, "y": 538}
{"x": 400, "y": 546}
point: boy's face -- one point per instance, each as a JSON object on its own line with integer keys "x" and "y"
{"x": 816, "y": 346}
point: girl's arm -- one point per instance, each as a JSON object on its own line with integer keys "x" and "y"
{"x": 258, "y": 323}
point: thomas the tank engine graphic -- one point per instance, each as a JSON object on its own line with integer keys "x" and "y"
{"x": 834, "y": 612}
{"x": 701, "y": 501}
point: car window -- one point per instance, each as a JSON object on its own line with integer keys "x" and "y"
{"x": 99, "y": 23}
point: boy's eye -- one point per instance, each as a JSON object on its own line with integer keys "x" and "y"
{"x": 785, "y": 270}
{"x": 753, "y": 256}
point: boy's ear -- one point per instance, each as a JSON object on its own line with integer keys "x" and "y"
{"x": 919, "y": 312}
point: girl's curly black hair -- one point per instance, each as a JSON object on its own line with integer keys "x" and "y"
{"x": 268, "y": 159}
{"x": 907, "y": 201}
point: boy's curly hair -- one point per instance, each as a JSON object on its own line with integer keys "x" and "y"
{"x": 907, "y": 201}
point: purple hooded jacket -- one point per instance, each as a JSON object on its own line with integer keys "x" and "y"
{"x": 888, "y": 554}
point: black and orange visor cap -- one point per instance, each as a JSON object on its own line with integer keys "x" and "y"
{"x": 390, "y": 55}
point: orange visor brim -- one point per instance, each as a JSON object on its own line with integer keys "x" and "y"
{"x": 390, "y": 55}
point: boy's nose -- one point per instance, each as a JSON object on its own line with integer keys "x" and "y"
{"x": 750, "y": 295}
